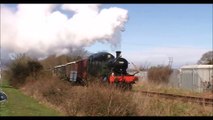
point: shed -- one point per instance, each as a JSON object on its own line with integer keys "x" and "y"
{"x": 142, "y": 75}
{"x": 196, "y": 77}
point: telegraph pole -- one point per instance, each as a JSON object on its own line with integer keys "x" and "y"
{"x": 170, "y": 61}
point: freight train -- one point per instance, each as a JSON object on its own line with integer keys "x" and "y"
{"x": 102, "y": 65}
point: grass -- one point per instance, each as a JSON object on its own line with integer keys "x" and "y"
{"x": 144, "y": 85}
{"x": 156, "y": 106}
{"x": 94, "y": 100}
{"x": 19, "y": 104}
{"x": 97, "y": 100}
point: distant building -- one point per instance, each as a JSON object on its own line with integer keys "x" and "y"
{"x": 193, "y": 77}
{"x": 142, "y": 75}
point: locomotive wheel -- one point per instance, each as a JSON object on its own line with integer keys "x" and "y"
{"x": 81, "y": 82}
{"x": 123, "y": 85}
{"x": 128, "y": 86}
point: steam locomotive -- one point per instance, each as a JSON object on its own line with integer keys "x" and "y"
{"x": 103, "y": 65}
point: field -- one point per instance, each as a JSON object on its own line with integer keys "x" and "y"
{"x": 19, "y": 104}
{"x": 96, "y": 99}
{"x": 104, "y": 100}
{"x": 144, "y": 85}
{"x": 158, "y": 106}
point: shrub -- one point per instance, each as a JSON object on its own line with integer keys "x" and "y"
{"x": 93, "y": 100}
{"x": 98, "y": 100}
{"x": 34, "y": 68}
{"x": 22, "y": 67}
{"x": 105, "y": 100}
{"x": 159, "y": 74}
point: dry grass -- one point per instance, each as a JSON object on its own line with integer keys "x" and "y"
{"x": 159, "y": 74}
{"x": 155, "y": 106}
{"x": 97, "y": 100}
{"x": 94, "y": 100}
{"x": 104, "y": 100}
{"x": 100, "y": 100}
{"x": 145, "y": 85}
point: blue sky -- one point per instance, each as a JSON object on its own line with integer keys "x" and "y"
{"x": 155, "y": 32}
{"x": 170, "y": 25}
{"x": 165, "y": 27}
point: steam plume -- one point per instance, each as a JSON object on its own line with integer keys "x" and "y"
{"x": 44, "y": 29}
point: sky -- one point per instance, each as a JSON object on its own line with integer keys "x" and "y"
{"x": 147, "y": 34}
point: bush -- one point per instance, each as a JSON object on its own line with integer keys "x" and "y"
{"x": 98, "y": 100}
{"x": 22, "y": 67}
{"x": 34, "y": 68}
{"x": 93, "y": 100}
{"x": 159, "y": 74}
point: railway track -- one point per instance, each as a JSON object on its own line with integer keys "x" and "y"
{"x": 200, "y": 100}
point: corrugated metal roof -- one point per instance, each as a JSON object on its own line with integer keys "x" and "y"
{"x": 196, "y": 66}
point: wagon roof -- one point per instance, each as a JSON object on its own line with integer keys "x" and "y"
{"x": 69, "y": 63}
{"x": 58, "y": 66}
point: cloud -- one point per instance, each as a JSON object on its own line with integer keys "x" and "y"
{"x": 42, "y": 29}
{"x": 160, "y": 56}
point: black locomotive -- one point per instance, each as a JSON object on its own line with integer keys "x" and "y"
{"x": 101, "y": 65}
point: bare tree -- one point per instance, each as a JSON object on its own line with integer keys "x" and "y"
{"x": 145, "y": 66}
{"x": 206, "y": 59}
{"x": 78, "y": 53}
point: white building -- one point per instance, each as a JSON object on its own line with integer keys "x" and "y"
{"x": 195, "y": 77}
{"x": 142, "y": 75}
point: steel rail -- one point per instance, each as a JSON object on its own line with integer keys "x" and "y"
{"x": 200, "y": 100}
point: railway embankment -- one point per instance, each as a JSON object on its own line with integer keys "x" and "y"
{"x": 19, "y": 104}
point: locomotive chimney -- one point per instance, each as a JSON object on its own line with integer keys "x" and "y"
{"x": 118, "y": 53}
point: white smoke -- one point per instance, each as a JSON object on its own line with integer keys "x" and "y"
{"x": 43, "y": 29}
